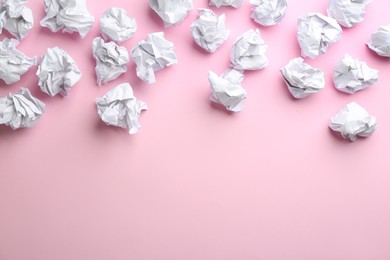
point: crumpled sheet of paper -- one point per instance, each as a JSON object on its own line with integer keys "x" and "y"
{"x": 13, "y": 63}
{"x": 227, "y": 90}
{"x": 67, "y": 15}
{"x": 248, "y": 52}
{"x": 16, "y": 18}
{"x": 351, "y": 75}
{"x": 232, "y": 3}
{"x": 316, "y": 32}
{"x": 111, "y": 60}
{"x": 116, "y": 26}
{"x": 119, "y": 107}
{"x": 57, "y": 72}
{"x": 20, "y": 110}
{"x": 153, "y": 55}
{"x": 268, "y": 12}
{"x": 353, "y": 121}
{"x": 348, "y": 12}
{"x": 209, "y": 30}
{"x": 380, "y": 41}
{"x": 172, "y": 12}
{"x": 302, "y": 79}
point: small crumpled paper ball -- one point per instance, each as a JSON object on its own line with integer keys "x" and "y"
{"x": 268, "y": 12}
{"x": 119, "y": 107}
{"x": 380, "y": 41}
{"x": 353, "y": 121}
{"x": 116, "y": 26}
{"x": 351, "y": 75}
{"x": 209, "y": 30}
{"x": 57, "y": 72}
{"x": 227, "y": 90}
{"x": 248, "y": 52}
{"x": 20, "y": 110}
{"x": 302, "y": 79}
{"x": 172, "y": 12}
{"x": 316, "y": 32}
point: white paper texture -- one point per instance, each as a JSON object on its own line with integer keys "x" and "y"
{"x": 352, "y": 75}
{"x": 119, "y": 107}
{"x": 380, "y": 41}
{"x": 153, "y": 55}
{"x": 268, "y": 12}
{"x": 16, "y": 18}
{"x": 67, "y": 15}
{"x": 302, "y": 79}
{"x": 13, "y": 63}
{"x": 116, "y": 26}
{"x": 111, "y": 60}
{"x": 316, "y": 32}
{"x": 57, "y": 72}
{"x": 348, "y": 12}
{"x": 20, "y": 110}
{"x": 172, "y": 12}
{"x": 353, "y": 121}
{"x": 248, "y": 52}
{"x": 227, "y": 90}
{"x": 232, "y": 3}
{"x": 209, "y": 30}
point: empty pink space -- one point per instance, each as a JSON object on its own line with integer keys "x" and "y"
{"x": 196, "y": 183}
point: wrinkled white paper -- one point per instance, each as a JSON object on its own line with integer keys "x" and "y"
{"x": 119, "y": 107}
{"x": 172, "y": 12}
{"x": 209, "y": 30}
{"x": 353, "y": 121}
{"x": 380, "y": 41}
{"x": 13, "y": 63}
{"x": 348, "y": 12}
{"x": 111, "y": 60}
{"x": 20, "y": 110}
{"x": 57, "y": 72}
{"x": 268, "y": 12}
{"x": 351, "y": 75}
{"x": 248, "y": 52}
{"x": 153, "y": 55}
{"x": 16, "y": 18}
{"x": 227, "y": 90}
{"x": 116, "y": 26}
{"x": 67, "y": 15}
{"x": 302, "y": 79}
{"x": 316, "y": 32}
{"x": 232, "y": 3}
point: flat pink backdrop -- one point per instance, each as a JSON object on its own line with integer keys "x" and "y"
{"x": 197, "y": 183}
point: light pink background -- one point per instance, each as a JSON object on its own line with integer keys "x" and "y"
{"x": 197, "y": 183}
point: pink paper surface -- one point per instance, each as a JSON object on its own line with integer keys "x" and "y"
{"x": 197, "y": 183}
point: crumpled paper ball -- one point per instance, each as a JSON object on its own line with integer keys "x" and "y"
{"x": 116, "y": 26}
{"x": 348, "y": 12}
{"x": 16, "y": 18}
{"x": 316, "y": 32}
{"x": 20, "y": 110}
{"x": 57, "y": 72}
{"x": 302, "y": 79}
{"x": 119, "y": 107}
{"x": 353, "y": 121}
{"x": 268, "y": 12}
{"x": 248, "y": 52}
{"x": 209, "y": 30}
{"x": 351, "y": 75}
{"x": 172, "y": 12}
{"x": 380, "y": 41}
{"x": 227, "y": 90}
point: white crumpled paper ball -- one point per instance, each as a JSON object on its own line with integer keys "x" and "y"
{"x": 353, "y": 121}
{"x": 268, "y": 12}
{"x": 116, "y": 26}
